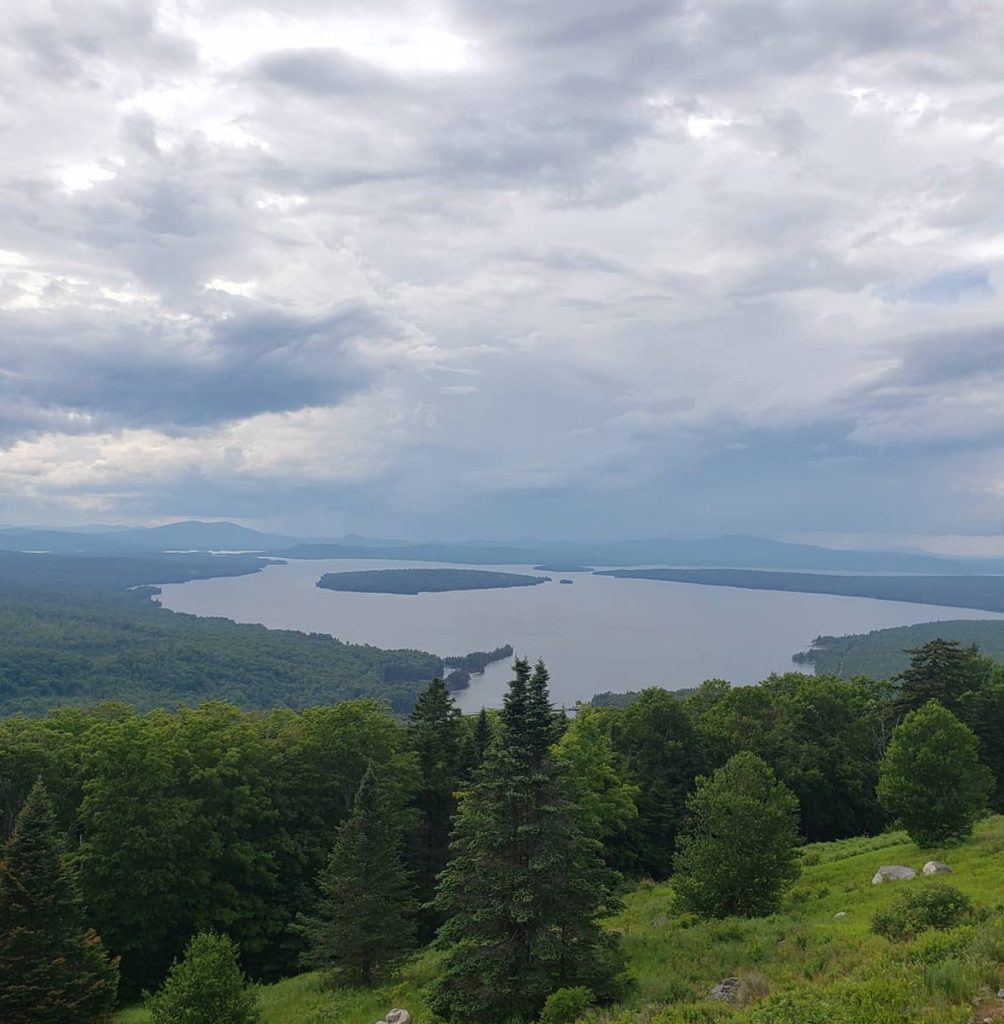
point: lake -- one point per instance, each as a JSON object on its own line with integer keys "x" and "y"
{"x": 599, "y": 634}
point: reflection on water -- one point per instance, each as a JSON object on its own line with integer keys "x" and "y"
{"x": 598, "y": 634}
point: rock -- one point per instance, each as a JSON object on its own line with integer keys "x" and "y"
{"x": 935, "y": 867}
{"x": 728, "y": 990}
{"x": 893, "y": 873}
{"x": 839, "y": 914}
{"x": 1000, "y": 994}
{"x": 398, "y": 1017}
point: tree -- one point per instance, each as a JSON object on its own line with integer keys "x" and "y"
{"x": 737, "y": 854}
{"x": 940, "y": 670}
{"x": 526, "y": 884}
{"x": 206, "y": 987}
{"x": 434, "y": 733}
{"x": 931, "y": 777}
{"x": 477, "y": 743}
{"x": 361, "y": 929}
{"x": 53, "y": 968}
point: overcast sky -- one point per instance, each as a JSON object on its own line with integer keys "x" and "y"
{"x": 504, "y": 267}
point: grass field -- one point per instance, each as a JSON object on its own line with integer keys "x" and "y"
{"x": 805, "y": 950}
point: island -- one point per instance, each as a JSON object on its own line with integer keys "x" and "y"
{"x": 563, "y": 567}
{"x": 424, "y": 581}
{"x": 566, "y": 581}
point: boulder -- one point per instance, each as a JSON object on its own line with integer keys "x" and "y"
{"x": 728, "y": 990}
{"x": 839, "y": 914}
{"x": 935, "y": 867}
{"x": 398, "y": 1017}
{"x": 893, "y": 873}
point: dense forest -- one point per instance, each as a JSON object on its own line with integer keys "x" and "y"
{"x": 213, "y": 819}
{"x": 424, "y": 581}
{"x": 883, "y": 653}
{"x": 983, "y": 592}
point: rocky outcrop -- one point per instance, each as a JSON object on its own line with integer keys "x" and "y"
{"x": 893, "y": 873}
{"x": 728, "y": 990}
{"x": 396, "y": 1017}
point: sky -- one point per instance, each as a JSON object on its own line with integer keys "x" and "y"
{"x": 497, "y": 268}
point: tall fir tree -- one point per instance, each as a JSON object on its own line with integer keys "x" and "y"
{"x": 53, "y": 968}
{"x": 527, "y": 883}
{"x": 477, "y": 743}
{"x": 941, "y": 670}
{"x": 435, "y": 735}
{"x": 362, "y": 926}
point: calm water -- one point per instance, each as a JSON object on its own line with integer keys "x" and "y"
{"x": 599, "y": 634}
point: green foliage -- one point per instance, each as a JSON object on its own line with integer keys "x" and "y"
{"x": 435, "y": 734}
{"x": 526, "y": 885}
{"x": 566, "y": 1005}
{"x": 360, "y": 929}
{"x": 931, "y": 777}
{"x": 53, "y": 968}
{"x": 82, "y": 648}
{"x": 206, "y": 987}
{"x": 936, "y": 905}
{"x": 737, "y": 855}
{"x": 706, "y": 1012}
{"x": 942, "y": 671}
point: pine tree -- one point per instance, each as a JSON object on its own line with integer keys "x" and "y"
{"x": 477, "y": 743}
{"x": 53, "y": 968}
{"x": 527, "y": 882}
{"x": 361, "y": 928}
{"x": 434, "y": 733}
{"x": 940, "y": 670}
{"x": 206, "y": 986}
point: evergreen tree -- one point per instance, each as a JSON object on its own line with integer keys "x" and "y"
{"x": 477, "y": 743}
{"x": 206, "y": 987}
{"x": 527, "y": 882}
{"x": 53, "y": 969}
{"x": 434, "y": 733}
{"x": 361, "y": 928}
{"x": 737, "y": 854}
{"x": 940, "y": 670}
{"x": 931, "y": 777}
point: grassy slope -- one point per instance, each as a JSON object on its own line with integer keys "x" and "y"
{"x": 675, "y": 959}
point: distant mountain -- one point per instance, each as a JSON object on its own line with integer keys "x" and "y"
{"x": 184, "y": 536}
{"x": 739, "y": 552}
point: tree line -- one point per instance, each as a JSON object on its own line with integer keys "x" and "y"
{"x": 343, "y": 838}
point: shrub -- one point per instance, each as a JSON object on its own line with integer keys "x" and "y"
{"x": 695, "y": 1013}
{"x": 938, "y": 906}
{"x": 206, "y": 987}
{"x": 566, "y": 1005}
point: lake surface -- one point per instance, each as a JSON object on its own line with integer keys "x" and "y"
{"x": 599, "y": 634}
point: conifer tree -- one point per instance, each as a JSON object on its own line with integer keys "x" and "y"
{"x": 434, "y": 733}
{"x": 207, "y": 986}
{"x": 476, "y": 747}
{"x": 940, "y": 670}
{"x": 361, "y": 928}
{"x": 527, "y": 881}
{"x": 53, "y": 968}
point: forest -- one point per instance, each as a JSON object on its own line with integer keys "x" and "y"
{"x": 983, "y": 592}
{"x": 255, "y": 827}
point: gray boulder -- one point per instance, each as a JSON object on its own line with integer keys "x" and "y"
{"x": 893, "y": 873}
{"x": 728, "y": 990}
{"x": 398, "y": 1017}
{"x": 935, "y": 867}
{"x": 840, "y": 914}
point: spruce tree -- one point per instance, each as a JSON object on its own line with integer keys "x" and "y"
{"x": 53, "y": 968}
{"x": 434, "y": 733}
{"x": 476, "y": 746}
{"x": 361, "y": 928}
{"x": 940, "y": 670}
{"x": 207, "y": 986}
{"x": 527, "y": 883}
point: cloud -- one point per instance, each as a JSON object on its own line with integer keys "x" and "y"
{"x": 522, "y": 268}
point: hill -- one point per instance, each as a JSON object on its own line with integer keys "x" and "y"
{"x": 881, "y": 654}
{"x": 804, "y": 950}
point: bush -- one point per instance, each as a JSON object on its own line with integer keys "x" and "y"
{"x": 206, "y": 987}
{"x": 695, "y": 1013}
{"x": 566, "y": 1005}
{"x": 938, "y": 906}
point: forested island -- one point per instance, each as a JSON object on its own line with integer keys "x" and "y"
{"x": 563, "y": 567}
{"x": 983, "y": 592}
{"x": 424, "y": 581}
